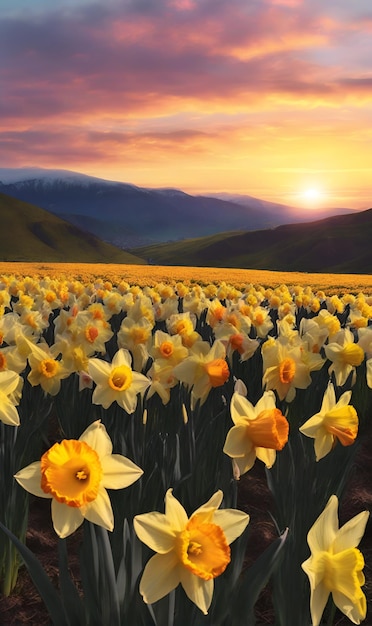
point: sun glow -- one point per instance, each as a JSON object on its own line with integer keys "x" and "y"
{"x": 312, "y": 196}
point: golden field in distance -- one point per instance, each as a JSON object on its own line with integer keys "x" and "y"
{"x": 151, "y": 274}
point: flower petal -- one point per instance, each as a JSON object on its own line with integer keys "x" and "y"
{"x": 323, "y": 532}
{"x": 99, "y": 370}
{"x": 155, "y": 531}
{"x": 266, "y": 455}
{"x": 323, "y": 443}
{"x": 241, "y": 409}
{"x": 66, "y": 519}
{"x": 198, "y": 590}
{"x": 8, "y": 412}
{"x": 208, "y": 508}
{"x": 104, "y": 396}
{"x": 174, "y": 511}
{"x": 160, "y": 576}
{"x": 99, "y": 511}
{"x": 237, "y": 443}
{"x": 318, "y": 600}
{"x": 119, "y": 472}
{"x": 350, "y": 534}
{"x": 30, "y": 479}
{"x": 97, "y": 438}
{"x": 355, "y": 611}
{"x": 122, "y": 357}
{"x": 232, "y": 522}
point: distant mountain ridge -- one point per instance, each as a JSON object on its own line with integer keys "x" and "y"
{"x": 128, "y": 216}
{"x": 338, "y": 244}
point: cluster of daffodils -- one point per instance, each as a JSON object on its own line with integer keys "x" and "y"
{"x": 194, "y": 350}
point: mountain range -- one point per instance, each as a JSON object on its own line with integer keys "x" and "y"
{"x": 54, "y": 215}
{"x": 128, "y": 216}
{"x": 338, "y": 244}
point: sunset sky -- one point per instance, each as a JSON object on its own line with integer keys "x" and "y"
{"x": 271, "y": 98}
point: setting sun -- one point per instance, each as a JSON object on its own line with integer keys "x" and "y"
{"x": 312, "y": 196}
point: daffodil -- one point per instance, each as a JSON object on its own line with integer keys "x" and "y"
{"x": 335, "y": 565}
{"x": 10, "y": 392}
{"x": 335, "y": 421}
{"x": 46, "y": 369}
{"x": 75, "y": 474}
{"x": 258, "y": 431}
{"x": 345, "y": 355}
{"x": 168, "y": 347}
{"x": 191, "y": 551}
{"x": 206, "y": 367}
{"x": 286, "y": 368}
{"x": 116, "y": 381}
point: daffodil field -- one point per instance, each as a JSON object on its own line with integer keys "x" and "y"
{"x": 138, "y": 409}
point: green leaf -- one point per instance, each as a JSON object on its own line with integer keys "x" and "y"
{"x": 253, "y": 581}
{"x": 41, "y": 581}
{"x": 70, "y": 596}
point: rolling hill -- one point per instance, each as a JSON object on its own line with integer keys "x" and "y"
{"x": 338, "y": 244}
{"x": 29, "y": 233}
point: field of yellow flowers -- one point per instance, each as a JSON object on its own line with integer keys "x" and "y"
{"x": 135, "y": 401}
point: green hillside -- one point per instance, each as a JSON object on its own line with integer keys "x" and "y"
{"x": 340, "y": 244}
{"x": 29, "y": 233}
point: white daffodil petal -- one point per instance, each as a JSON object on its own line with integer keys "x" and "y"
{"x": 66, "y": 519}
{"x": 198, "y": 590}
{"x": 104, "y": 396}
{"x": 160, "y": 577}
{"x": 155, "y": 531}
{"x": 119, "y": 472}
{"x": 232, "y": 522}
{"x": 30, "y": 479}
{"x": 99, "y": 511}
{"x": 122, "y": 357}
{"x": 99, "y": 370}
{"x": 127, "y": 400}
{"x": 97, "y": 438}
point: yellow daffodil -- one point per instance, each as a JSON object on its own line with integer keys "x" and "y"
{"x": 116, "y": 381}
{"x": 136, "y": 336}
{"x": 162, "y": 379}
{"x": 168, "y": 347}
{"x": 285, "y": 368}
{"x": 335, "y": 421}
{"x": 206, "y": 367}
{"x": 46, "y": 370}
{"x": 258, "y": 431}
{"x": 191, "y": 551}
{"x": 75, "y": 474}
{"x": 335, "y": 565}
{"x": 10, "y": 392}
{"x": 345, "y": 355}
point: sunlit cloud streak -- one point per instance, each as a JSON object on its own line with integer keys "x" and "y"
{"x": 128, "y": 82}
